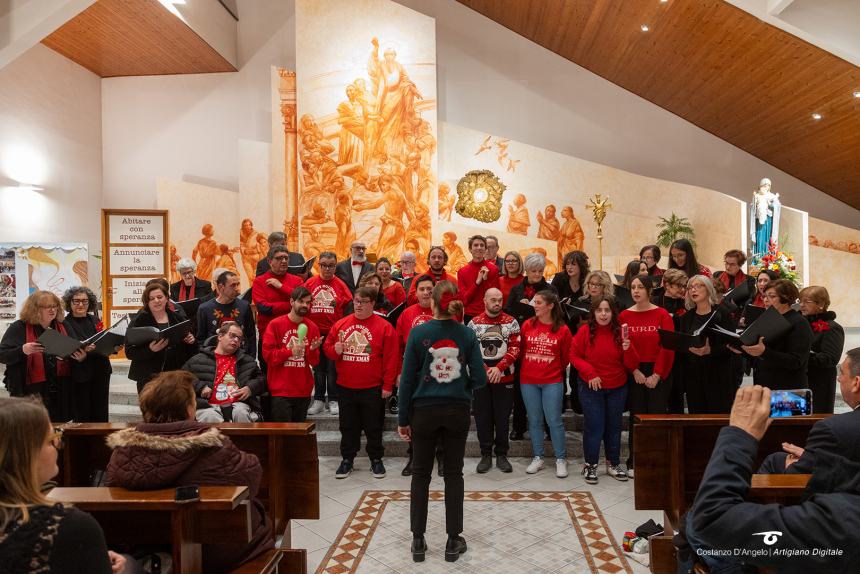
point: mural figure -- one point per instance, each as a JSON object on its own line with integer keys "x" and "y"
{"x": 518, "y": 216}
{"x": 343, "y": 220}
{"x": 456, "y": 257}
{"x": 318, "y": 216}
{"x": 764, "y": 217}
{"x": 314, "y": 246}
{"x": 485, "y": 145}
{"x": 225, "y": 260}
{"x": 446, "y": 201}
{"x": 418, "y": 232}
{"x": 350, "y": 118}
{"x": 391, "y": 234}
{"x": 571, "y": 237}
{"x": 548, "y": 224}
{"x": 253, "y": 247}
{"x": 174, "y": 259}
{"x": 205, "y": 253}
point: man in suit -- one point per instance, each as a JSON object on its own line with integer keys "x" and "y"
{"x": 296, "y": 260}
{"x": 493, "y": 253}
{"x": 350, "y": 270}
{"x": 189, "y": 287}
{"x": 836, "y": 435}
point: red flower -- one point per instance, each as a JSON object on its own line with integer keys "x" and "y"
{"x": 820, "y": 326}
{"x": 679, "y": 312}
{"x": 100, "y": 327}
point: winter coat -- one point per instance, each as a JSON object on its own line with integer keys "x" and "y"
{"x": 152, "y": 456}
{"x": 248, "y": 374}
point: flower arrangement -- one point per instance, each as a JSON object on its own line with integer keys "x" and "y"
{"x": 779, "y": 261}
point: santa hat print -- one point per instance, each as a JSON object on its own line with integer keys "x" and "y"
{"x": 444, "y": 344}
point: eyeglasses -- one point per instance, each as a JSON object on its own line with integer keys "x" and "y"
{"x": 511, "y": 261}
{"x": 80, "y": 301}
{"x": 282, "y": 258}
{"x": 328, "y": 265}
{"x": 591, "y": 284}
{"x": 57, "y": 439}
{"x": 235, "y": 337}
{"x": 357, "y": 302}
{"x": 46, "y": 307}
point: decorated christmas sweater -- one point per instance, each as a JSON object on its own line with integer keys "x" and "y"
{"x": 643, "y": 327}
{"x": 442, "y": 364}
{"x": 286, "y": 375}
{"x": 370, "y": 357}
{"x": 329, "y": 298}
{"x": 411, "y": 317}
{"x": 472, "y": 293}
{"x": 499, "y": 338}
{"x": 545, "y": 354}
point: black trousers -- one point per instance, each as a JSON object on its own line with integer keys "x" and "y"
{"x": 643, "y": 400}
{"x": 91, "y": 399}
{"x": 325, "y": 378}
{"x": 361, "y": 410}
{"x": 450, "y": 423}
{"x": 289, "y": 409}
{"x": 492, "y": 412}
{"x": 521, "y": 420}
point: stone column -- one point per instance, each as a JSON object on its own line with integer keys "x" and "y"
{"x": 287, "y": 92}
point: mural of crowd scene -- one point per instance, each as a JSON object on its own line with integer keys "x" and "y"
{"x": 831, "y": 236}
{"x": 545, "y": 203}
{"x": 366, "y": 91}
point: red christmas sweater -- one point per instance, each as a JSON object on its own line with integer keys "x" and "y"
{"x": 412, "y": 298}
{"x": 329, "y": 300}
{"x": 370, "y": 357}
{"x": 643, "y": 334}
{"x": 472, "y": 293}
{"x": 544, "y": 354}
{"x": 604, "y": 358}
{"x": 499, "y": 338}
{"x": 286, "y": 376}
{"x": 395, "y": 293}
{"x": 272, "y": 302}
{"x": 411, "y": 317}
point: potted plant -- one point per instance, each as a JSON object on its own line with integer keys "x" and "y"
{"x": 674, "y": 228}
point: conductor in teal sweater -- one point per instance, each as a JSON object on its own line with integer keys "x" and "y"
{"x": 442, "y": 366}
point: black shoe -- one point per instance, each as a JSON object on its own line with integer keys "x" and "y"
{"x": 485, "y": 465}
{"x": 407, "y": 470}
{"x": 419, "y": 547}
{"x": 392, "y": 405}
{"x": 503, "y": 464}
{"x": 516, "y": 435}
{"x": 456, "y": 545}
{"x": 344, "y": 470}
{"x": 377, "y": 469}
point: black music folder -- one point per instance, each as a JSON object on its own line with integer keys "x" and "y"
{"x": 58, "y": 344}
{"x": 678, "y": 341}
{"x": 145, "y": 335}
{"x": 770, "y": 325}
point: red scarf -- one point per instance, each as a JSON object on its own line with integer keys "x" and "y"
{"x": 727, "y": 279}
{"x": 36, "y": 361}
{"x": 182, "y": 296}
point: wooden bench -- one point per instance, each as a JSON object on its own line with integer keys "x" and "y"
{"x": 289, "y": 488}
{"x": 672, "y": 452}
{"x": 154, "y": 517}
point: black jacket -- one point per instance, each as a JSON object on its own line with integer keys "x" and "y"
{"x": 828, "y": 339}
{"x": 828, "y": 518}
{"x": 144, "y": 363}
{"x": 518, "y": 292}
{"x": 202, "y": 289}
{"x": 95, "y": 366}
{"x": 838, "y": 435}
{"x": 707, "y": 380}
{"x": 343, "y": 271}
{"x": 12, "y": 355}
{"x": 562, "y": 287}
{"x": 248, "y": 374}
{"x": 783, "y": 363}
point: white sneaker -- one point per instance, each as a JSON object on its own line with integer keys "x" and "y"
{"x": 535, "y": 465}
{"x": 316, "y": 407}
{"x": 333, "y": 408}
{"x": 561, "y": 467}
{"x": 630, "y": 472}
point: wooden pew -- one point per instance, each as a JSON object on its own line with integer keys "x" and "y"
{"x": 672, "y": 452}
{"x": 154, "y": 517}
{"x": 287, "y": 451}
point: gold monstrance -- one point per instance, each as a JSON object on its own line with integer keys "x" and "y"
{"x": 598, "y": 209}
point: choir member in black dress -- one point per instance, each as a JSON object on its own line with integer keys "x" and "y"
{"x": 622, "y": 292}
{"x": 650, "y": 254}
{"x": 782, "y": 363}
{"x": 92, "y": 375}
{"x": 764, "y": 277}
{"x": 672, "y": 296}
{"x": 534, "y": 282}
{"x": 828, "y": 339}
{"x": 31, "y": 371}
{"x": 705, "y": 373}
{"x": 190, "y": 286}
{"x": 682, "y": 256}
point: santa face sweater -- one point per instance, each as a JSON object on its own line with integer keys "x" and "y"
{"x": 643, "y": 327}
{"x": 286, "y": 375}
{"x": 604, "y": 358}
{"x": 545, "y": 354}
{"x": 472, "y": 293}
{"x": 329, "y": 298}
{"x": 411, "y": 317}
{"x": 442, "y": 365}
{"x": 272, "y": 302}
{"x": 499, "y": 338}
{"x": 371, "y": 352}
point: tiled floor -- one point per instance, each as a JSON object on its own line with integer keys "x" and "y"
{"x": 549, "y": 541}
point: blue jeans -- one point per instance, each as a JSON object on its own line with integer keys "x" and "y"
{"x": 544, "y": 402}
{"x": 603, "y": 411}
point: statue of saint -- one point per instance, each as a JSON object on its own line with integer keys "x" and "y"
{"x": 764, "y": 219}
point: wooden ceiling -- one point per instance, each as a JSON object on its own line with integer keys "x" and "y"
{"x": 134, "y": 38}
{"x": 745, "y": 81}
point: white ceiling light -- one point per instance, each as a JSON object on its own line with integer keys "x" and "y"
{"x": 857, "y": 94}
{"x": 816, "y": 116}
{"x": 644, "y": 27}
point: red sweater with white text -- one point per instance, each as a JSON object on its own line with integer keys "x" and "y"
{"x": 643, "y": 334}
{"x": 604, "y": 358}
{"x": 473, "y": 294}
{"x": 545, "y": 354}
{"x": 272, "y": 302}
{"x": 287, "y": 376}
{"x": 329, "y": 298}
{"x": 371, "y": 352}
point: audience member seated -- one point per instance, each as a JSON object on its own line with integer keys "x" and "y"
{"x": 171, "y": 449}
{"x": 837, "y": 435}
{"x": 828, "y": 339}
{"x": 729, "y": 534}
{"x": 229, "y": 381}
{"x": 190, "y": 286}
{"x": 36, "y": 536}
{"x": 227, "y": 306}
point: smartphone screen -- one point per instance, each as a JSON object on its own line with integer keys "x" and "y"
{"x": 625, "y": 331}
{"x": 792, "y": 403}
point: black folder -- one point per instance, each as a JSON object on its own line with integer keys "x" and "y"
{"x": 58, "y": 344}
{"x": 303, "y": 268}
{"x": 751, "y": 313}
{"x": 678, "y": 341}
{"x": 393, "y": 314}
{"x": 521, "y": 311}
{"x": 190, "y": 306}
{"x": 738, "y": 293}
{"x": 573, "y": 312}
{"x": 771, "y": 325}
{"x": 145, "y": 335}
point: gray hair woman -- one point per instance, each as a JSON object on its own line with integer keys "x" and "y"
{"x": 534, "y": 282}
{"x": 707, "y": 285}
{"x": 186, "y": 264}
{"x": 189, "y": 285}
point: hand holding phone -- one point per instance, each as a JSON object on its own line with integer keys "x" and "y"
{"x": 625, "y": 331}
{"x": 791, "y": 403}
